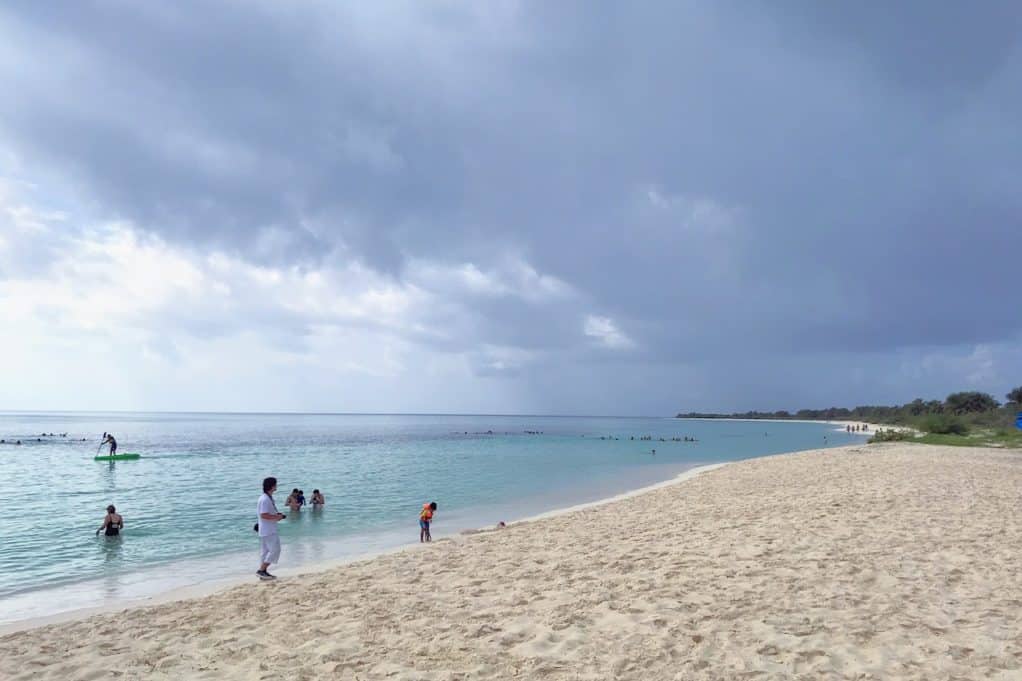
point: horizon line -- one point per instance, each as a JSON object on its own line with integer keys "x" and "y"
{"x": 316, "y": 413}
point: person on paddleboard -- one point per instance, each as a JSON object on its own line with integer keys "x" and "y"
{"x": 108, "y": 439}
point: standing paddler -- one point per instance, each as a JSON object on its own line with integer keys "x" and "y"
{"x": 108, "y": 439}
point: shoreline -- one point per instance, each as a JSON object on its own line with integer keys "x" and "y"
{"x": 216, "y": 586}
{"x": 873, "y": 427}
{"x": 824, "y": 563}
{"x": 201, "y": 587}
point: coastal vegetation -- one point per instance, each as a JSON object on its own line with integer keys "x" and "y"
{"x": 963, "y": 418}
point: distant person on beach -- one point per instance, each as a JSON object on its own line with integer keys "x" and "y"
{"x": 425, "y": 518}
{"x": 269, "y": 540}
{"x": 108, "y": 439}
{"x": 112, "y": 523}
{"x": 317, "y": 499}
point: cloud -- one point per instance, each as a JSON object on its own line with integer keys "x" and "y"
{"x": 975, "y": 367}
{"x": 512, "y": 278}
{"x": 605, "y": 332}
{"x": 690, "y": 213}
{"x": 459, "y": 186}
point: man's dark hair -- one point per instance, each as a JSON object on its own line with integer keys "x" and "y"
{"x": 432, "y": 505}
{"x": 268, "y": 484}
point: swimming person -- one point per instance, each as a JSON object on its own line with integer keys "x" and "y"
{"x": 425, "y": 518}
{"x": 108, "y": 438}
{"x": 112, "y": 523}
{"x": 301, "y": 497}
{"x": 269, "y": 540}
{"x": 317, "y": 499}
{"x": 292, "y": 501}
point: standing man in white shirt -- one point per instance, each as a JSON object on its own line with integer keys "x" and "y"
{"x": 269, "y": 540}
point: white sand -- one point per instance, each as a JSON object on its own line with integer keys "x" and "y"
{"x": 867, "y": 562}
{"x": 873, "y": 427}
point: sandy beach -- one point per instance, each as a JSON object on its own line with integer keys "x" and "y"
{"x": 889, "y": 561}
{"x": 840, "y": 424}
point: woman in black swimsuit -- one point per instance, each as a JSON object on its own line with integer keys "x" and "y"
{"x": 112, "y": 523}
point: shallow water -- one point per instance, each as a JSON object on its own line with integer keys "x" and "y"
{"x": 189, "y": 503}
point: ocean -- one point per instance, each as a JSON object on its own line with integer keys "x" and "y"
{"x": 189, "y": 502}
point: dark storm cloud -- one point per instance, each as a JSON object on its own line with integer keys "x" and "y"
{"x": 776, "y": 178}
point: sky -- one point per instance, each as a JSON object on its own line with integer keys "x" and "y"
{"x": 508, "y": 207}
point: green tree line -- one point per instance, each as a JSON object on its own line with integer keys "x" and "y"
{"x": 957, "y": 413}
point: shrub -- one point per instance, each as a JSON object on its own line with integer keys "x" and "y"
{"x": 969, "y": 402}
{"x": 890, "y": 435}
{"x": 943, "y": 424}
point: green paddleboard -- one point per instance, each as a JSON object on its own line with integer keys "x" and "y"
{"x": 118, "y": 457}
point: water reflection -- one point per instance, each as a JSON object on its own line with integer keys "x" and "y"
{"x": 111, "y": 549}
{"x": 109, "y": 472}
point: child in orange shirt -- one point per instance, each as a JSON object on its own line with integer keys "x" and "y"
{"x": 425, "y": 518}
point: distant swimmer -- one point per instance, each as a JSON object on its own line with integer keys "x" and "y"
{"x": 108, "y": 439}
{"x": 292, "y": 501}
{"x": 113, "y": 523}
{"x": 318, "y": 501}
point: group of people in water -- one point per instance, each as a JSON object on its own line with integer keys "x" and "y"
{"x": 296, "y": 500}
{"x": 3, "y": 441}
{"x": 649, "y": 438}
{"x": 490, "y": 432}
{"x": 268, "y": 517}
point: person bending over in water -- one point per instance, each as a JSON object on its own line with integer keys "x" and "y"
{"x": 425, "y": 518}
{"x": 108, "y": 439}
{"x": 317, "y": 499}
{"x": 112, "y": 523}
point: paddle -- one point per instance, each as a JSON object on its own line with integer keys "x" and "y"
{"x": 101, "y": 444}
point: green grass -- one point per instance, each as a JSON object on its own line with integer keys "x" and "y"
{"x": 978, "y": 438}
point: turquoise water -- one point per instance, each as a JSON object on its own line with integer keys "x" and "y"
{"x": 189, "y": 503}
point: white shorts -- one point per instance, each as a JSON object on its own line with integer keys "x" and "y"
{"x": 269, "y": 548}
